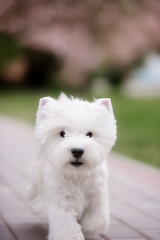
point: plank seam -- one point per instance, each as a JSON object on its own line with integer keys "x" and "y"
{"x": 133, "y": 228}
{"x": 8, "y": 227}
{"x": 135, "y": 207}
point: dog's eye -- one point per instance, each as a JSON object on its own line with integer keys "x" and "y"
{"x": 62, "y": 133}
{"x": 89, "y": 134}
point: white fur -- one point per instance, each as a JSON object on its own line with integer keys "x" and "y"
{"x": 73, "y": 200}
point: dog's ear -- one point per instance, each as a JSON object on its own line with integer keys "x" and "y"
{"x": 45, "y": 105}
{"x": 107, "y": 103}
{"x": 43, "y": 102}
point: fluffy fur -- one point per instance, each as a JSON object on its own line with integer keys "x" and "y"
{"x": 73, "y": 198}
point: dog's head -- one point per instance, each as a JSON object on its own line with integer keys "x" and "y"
{"x": 75, "y": 135}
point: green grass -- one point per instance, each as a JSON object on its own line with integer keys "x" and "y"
{"x": 138, "y": 123}
{"x": 138, "y": 120}
{"x": 20, "y": 104}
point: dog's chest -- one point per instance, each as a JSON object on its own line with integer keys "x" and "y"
{"x": 80, "y": 192}
{"x": 74, "y": 193}
{"x": 77, "y": 193}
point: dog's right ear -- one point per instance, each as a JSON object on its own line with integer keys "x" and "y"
{"x": 106, "y": 102}
{"x": 45, "y": 105}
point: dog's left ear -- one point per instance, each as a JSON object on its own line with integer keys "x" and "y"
{"x": 43, "y": 102}
{"x": 107, "y": 103}
{"x": 45, "y": 105}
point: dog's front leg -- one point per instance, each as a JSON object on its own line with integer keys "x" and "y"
{"x": 96, "y": 219}
{"x": 63, "y": 225}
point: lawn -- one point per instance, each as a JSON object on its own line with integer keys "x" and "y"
{"x": 138, "y": 120}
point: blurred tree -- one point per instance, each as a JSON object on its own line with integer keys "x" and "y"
{"x": 24, "y": 65}
{"x": 85, "y": 33}
{"x": 41, "y": 65}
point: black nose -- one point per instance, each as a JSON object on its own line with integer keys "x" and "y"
{"x": 77, "y": 152}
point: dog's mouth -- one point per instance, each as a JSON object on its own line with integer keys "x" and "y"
{"x": 76, "y": 163}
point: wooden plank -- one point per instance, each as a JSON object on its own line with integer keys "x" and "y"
{"x": 153, "y": 233}
{"x": 148, "y": 208}
{"x": 129, "y": 238}
{"x": 136, "y": 176}
{"x": 5, "y": 233}
{"x": 23, "y": 224}
{"x": 121, "y": 231}
{"x": 130, "y": 216}
{"x": 134, "y": 219}
{"x": 135, "y": 206}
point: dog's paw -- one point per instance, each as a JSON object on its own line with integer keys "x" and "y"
{"x": 70, "y": 238}
{"x": 73, "y": 238}
{"x": 91, "y": 227}
{"x": 78, "y": 238}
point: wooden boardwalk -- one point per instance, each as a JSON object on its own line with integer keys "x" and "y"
{"x": 135, "y": 192}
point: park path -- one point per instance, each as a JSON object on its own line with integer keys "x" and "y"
{"x": 134, "y": 188}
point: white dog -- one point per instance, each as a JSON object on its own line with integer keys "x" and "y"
{"x": 69, "y": 189}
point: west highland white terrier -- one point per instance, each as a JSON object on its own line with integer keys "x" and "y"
{"x": 69, "y": 188}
